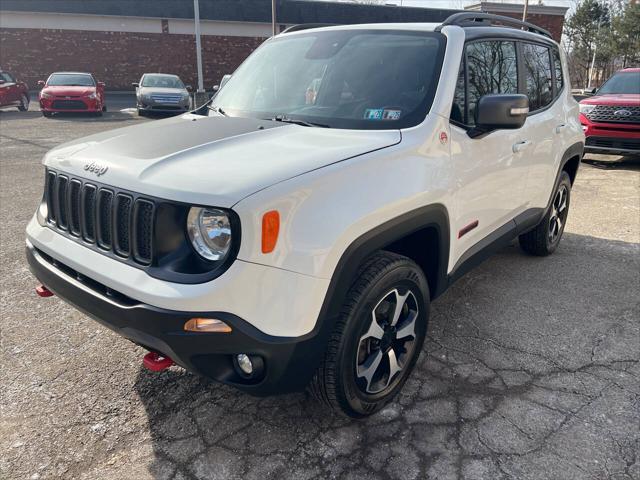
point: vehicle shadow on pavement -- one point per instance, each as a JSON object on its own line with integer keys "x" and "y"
{"x": 524, "y": 361}
{"x": 631, "y": 163}
{"x": 115, "y": 116}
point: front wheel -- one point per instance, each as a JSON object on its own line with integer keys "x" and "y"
{"x": 377, "y": 339}
{"x": 545, "y": 237}
{"x": 24, "y": 103}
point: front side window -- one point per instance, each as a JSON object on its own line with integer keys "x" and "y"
{"x": 537, "y": 68}
{"x": 7, "y": 77}
{"x": 491, "y": 68}
{"x": 622, "y": 83}
{"x": 362, "y": 79}
{"x": 161, "y": 81}
{"x": 70, "y": 80}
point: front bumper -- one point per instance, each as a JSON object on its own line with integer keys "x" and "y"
{"x": 149, "y": 106}
{"x": 71, "y": 105}
{"x": 289, "y": 362}
{"x": 611, "y": 138}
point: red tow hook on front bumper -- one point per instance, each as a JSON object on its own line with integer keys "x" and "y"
{"x": 43, "y": 291}
{"x": 155, "y": 362}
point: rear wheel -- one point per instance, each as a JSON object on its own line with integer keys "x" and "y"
{"x": 545, "y": 237}
{"x": 24, "y": 103}
{"x": 377, "y": 340}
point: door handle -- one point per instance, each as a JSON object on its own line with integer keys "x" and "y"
{"x": 560, "y": 127}
{"x": 520, "y": 146}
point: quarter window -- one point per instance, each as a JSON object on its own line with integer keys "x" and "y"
{"x": 557, "y": 65}
{"x": 491, "y": 67}
{"x": 537, "y": 67}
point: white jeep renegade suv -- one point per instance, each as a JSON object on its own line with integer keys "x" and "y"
{"x": 293, "y": 232}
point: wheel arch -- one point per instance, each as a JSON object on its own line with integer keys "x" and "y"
{"x": 421, "y": 234}
{"x": 571, "y": 161}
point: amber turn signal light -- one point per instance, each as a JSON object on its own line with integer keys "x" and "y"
{"x": 270, "y": 230}
{"x": 210, "y": 325}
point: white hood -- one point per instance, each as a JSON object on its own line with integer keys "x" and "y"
{"x": 214, "y": 161}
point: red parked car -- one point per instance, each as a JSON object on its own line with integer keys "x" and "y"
{"x": 611, "y": 118}
{"x": 71, "y": 92}
{"x": 13, "y": 93}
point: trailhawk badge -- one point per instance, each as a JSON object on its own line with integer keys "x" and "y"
{"x": 95, "y": 168}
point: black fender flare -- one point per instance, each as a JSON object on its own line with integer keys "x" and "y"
{"x": 378, "y": 238}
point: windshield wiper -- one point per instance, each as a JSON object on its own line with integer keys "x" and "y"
{"x": 217, "y": 110}
{"x": 285, "y": 119}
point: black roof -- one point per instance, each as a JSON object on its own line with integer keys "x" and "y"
{"x": 289, "y": 11}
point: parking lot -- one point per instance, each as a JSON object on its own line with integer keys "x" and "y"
{"x": 531, "y": 368}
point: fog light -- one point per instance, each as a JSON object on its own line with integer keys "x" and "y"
{"x": 245, "y": 364}
{"x": 206, "y": 325}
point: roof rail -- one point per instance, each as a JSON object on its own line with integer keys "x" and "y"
{"x": 470, "y": 19}
{"x": 306, "y": 26}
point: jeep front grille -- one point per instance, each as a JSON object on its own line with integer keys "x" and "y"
{"x": 614, "y": 114}
{"x": 105, "y": 218}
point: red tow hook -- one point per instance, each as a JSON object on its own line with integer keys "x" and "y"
{"x": 43, "y": 291}
{"x": 155, "y": 362}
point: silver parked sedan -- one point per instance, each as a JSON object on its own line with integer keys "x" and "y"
{"x": 162, "y": 93}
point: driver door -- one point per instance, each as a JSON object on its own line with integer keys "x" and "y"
{"x": 490, "y": 170}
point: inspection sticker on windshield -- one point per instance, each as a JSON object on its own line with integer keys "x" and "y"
{"x": 382, "y": 114}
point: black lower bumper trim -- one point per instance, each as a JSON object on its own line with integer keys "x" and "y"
{"x": 289, "y": 362}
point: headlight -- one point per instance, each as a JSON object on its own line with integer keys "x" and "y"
{"x": 45, "y": 95}
{"x": 586, "y": 108}
{"x": 210, "y": 233}
{"x": 92, "y": 95}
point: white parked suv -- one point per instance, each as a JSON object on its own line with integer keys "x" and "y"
{"x": 292, "y": 233}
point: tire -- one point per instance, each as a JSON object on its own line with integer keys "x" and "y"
{"x": 545, "y": 237}
{"x": 142, "y": 113}
{"x": 365, "y": 335}
{"x": 46, "y": 114}
{"x": 24, "y": 103}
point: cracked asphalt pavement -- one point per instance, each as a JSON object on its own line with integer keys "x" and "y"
{"x": 530, "y": 370}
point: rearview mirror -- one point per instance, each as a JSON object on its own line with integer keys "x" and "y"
{"x": 135, "y": 84}
{"x": 498, "y": 112}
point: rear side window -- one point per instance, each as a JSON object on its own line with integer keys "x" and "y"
{"x": 537, "y": 69}
{"x": 490, "y": 67}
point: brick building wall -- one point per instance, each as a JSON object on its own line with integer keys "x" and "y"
{"x": 552, "y": 23}
{"x": 119, "y": 58}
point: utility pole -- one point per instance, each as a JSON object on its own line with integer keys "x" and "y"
{"x": 196, "y": 10}
{"x": 524, "y": 13}
{"x": 273, "y": 18}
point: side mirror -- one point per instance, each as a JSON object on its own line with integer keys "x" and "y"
{"x": 2, "y": 81}
{"x": 215, "y": 88}
{"x": 101, "y": 84}
{"x": 594, "y": 90}
{"x": 189, "y": 88}
{"x": 135, "y": 84}
{"x": 500, "y": 111}
{"x": 41, "y": 83}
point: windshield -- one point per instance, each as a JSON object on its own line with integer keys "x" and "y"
{"x": 621, "y": 83}
{"x": 71, "y": 80}
{"x": 362, "y": 79}
{"x": 161, "y": 81}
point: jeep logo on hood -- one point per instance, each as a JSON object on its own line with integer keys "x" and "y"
{"x": 96, "y": 168}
